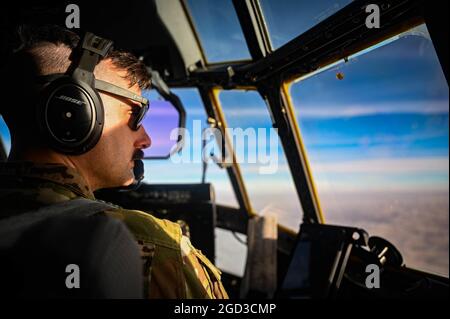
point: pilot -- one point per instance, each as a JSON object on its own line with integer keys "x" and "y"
{"x": 37, "y": 174}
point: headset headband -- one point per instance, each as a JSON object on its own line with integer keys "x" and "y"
{"x": 93, "y": 48}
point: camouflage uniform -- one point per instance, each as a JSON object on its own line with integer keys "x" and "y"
{"x": 173, "y": 268}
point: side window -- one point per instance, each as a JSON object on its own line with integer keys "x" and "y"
{"x": 5, "y": 137}
{"x": 376, "y": 132}
{"x": 264, "y": 167}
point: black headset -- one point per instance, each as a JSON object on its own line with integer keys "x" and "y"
{"x": 69, "y": 112}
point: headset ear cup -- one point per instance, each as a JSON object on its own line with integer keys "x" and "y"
{"x": 70, "y": 116}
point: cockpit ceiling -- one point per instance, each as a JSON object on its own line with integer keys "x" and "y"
{"x": 166, "y": 34}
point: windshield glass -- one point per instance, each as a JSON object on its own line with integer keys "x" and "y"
{"x": 376, "y": 132}
{"x": 261, "y": 157}
{"x": 287, "y": 19}
{"x": 219, "y": 30}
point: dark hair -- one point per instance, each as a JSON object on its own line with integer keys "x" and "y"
{"x": 44, "y": 50}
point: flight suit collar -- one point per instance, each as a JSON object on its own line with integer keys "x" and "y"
{"x": 59, "y": 174}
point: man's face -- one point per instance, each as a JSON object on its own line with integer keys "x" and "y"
{"x": 110, "y": 163}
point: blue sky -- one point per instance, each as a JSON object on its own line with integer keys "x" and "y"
{"x": 286, "y": 19}
{"x": 219, "y": 29}
{"x": 391, "y": 108}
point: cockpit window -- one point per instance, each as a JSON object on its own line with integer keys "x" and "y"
{"x": 219, "y": 30}
{"x": 376, "y": 130}
{"x": 288, "y": 19}
{"x": 261, "y": 157}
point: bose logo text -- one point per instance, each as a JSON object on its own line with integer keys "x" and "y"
{"x": 71, "y": 100}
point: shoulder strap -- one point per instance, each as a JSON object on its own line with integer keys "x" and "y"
{"x": 12, "y": 227}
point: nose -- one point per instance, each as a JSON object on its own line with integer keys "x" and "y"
{"x": 144, "y": 141}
